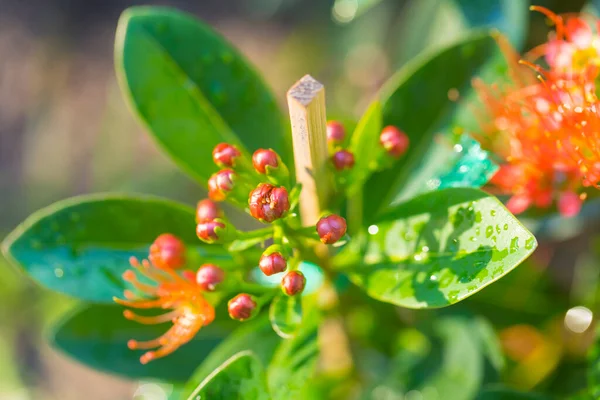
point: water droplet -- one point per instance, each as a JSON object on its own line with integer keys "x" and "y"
{"x": 478, "y": 217}
{"x": 514, "y": 244}
{"x": 489, "y": 231}
{"x": 373, "y": 229}
{"x": 529, "y": 243}
{"x": 58, "y": 272}
{"x": 458, "y": 148}
{"x": 505, "y": 227}
{"x": 473, "y": 239}
{"x": 433, "y": 278}
{"x": 492, "y": 212}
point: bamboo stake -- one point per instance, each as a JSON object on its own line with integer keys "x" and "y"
{"x": 306, "y": 102}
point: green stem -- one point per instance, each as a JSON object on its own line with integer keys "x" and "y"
{"x": 256, "y": 234}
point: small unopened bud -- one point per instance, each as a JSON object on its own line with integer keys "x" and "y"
{"x": 331, "y": 228}
{"x": 342, "y": 159}
{"x": 293, "y": 283}
{"x": 273, "y": 263}
{"x": 207, "y": 231}
{"x": 394, "y": 141}
{"x": 220, "y": 184}
{"x": 241, "y": 307}
{"x": 209, "y": 276}
{"x": 335, "y": 132}
{"x": 207, "y": 210}
{"x": 167, "y": 251}
{"x": 263, "y": 158}
{"x": 224, "y": 155}
{"x": 569, "y": 204}
{"x": 268, "y": 203}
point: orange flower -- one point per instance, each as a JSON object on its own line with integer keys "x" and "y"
{"x": 547, "y": 132}
{"x": 183, "y": 296}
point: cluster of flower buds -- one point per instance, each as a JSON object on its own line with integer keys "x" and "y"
{"x": 392, "y": 140}
{"x": 545, "y": 130}
{"x": 260, "y": 182}
{"x": 341, "y": 158}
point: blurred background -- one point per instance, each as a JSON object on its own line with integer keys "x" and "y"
{"x": 65, "y": 130}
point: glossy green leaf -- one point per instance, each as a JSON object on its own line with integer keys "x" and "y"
{"x": 97, "y": 336}
{"x": 256, "y": 335}
{"x": 241, "y": 377}
{"x": 431, "y": 23}
{"x": 294, "y": 362}
{"x": 81, "y": 246}
{"x": 437, "y": 249}
{"x": 285, "y": 314}
{"x": 447, "y": 163}
{"x": 460, "y": 372}
{"x": 504, "y": 393}
{"x": 192, "y": 89}
{"x": 422, "y": 85}
{"x": 365, "y": 145}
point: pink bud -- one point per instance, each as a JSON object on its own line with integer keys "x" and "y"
{"x": 394, "y": 141}
{"x": 207, "y": 210}
{"x": 220, "y": 184}
{"x": 331, "y": 228}
{"x": 224, "y": 155}
{"x": 272, "y": 263}
{"x": 206, "y": 231}
{"x": 167, "y": 251}
{"x": 209, "y": 276}
{"x": 343, "y": 159}
{"x": 335, "y": 132}
{"x": 518, "y": 204}
{"x": 293, "y": 283}
{"x": 261, "y": 158}
{"x": 569, "y": 204}
{"x": 268, "y": 203}
{"x": 241, "y": 307}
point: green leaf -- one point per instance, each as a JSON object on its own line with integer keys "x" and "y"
{"x": 192, "y": 89}
{"x": 81, "y": 246}
{"x": 365, "y": 145}
{"x": 489, "y": 342}
{"x": 437, "y": 249}
{"x": 241, "y": 377}
{"x": 461, "y": 370}
{"x": 432, "y": 23}
{"x": 97, "y": 336}
{"x": 294, "y": 362}
{"x": 504, "y": 393}
{"x": 256, "y": 335}
{"x": 285, "y": 314}
{"x": 416, "y": 101}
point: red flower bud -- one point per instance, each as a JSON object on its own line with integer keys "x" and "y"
{"x": 394, "y": 141}
{"x": 569, "y": 204}
{"x": 207, "y": 210}
{"x": 241, "y": 307}
{"x": 268, "y": 203}
{"x": 224, "y": 155}
{"x": 335, "y": 132}
{"x": 518, "y": 204}
{"x": 261, "y": 158}
{"x": 167, "y": 251}
{"x": 343, "y": 159}
{"x": 272, "y": 263}
{"x": 209, "y": 276}
{"x": 206, "y": 231}
{"x": 293, "y": 283}
{"x": 331, "y": 228}
{"x": 220, "y": 184}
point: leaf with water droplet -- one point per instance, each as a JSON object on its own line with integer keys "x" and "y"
{"x": 85, "y": 256}
{"x": 285, "y": 314}
{"x": 462, "y": 253}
